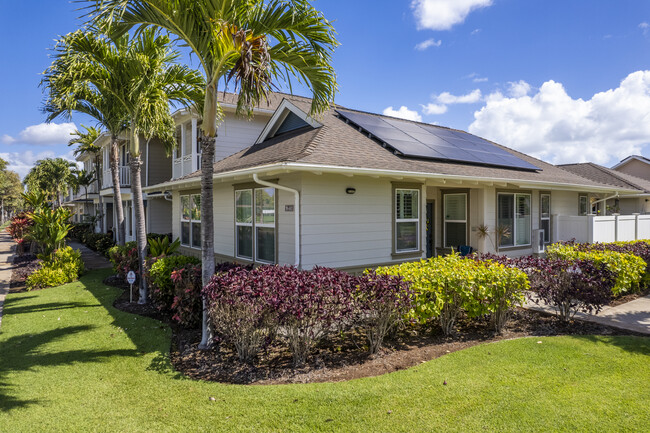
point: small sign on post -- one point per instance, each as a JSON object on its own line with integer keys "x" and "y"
{"x": 130, "y": 278}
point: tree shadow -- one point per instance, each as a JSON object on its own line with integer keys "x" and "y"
{"x": 630, "y": 343}
{"x": 16, "y": 310}
{"x": 21, "y": 353}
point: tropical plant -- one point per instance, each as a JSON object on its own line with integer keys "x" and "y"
{"x": 252, "y": 43}
{"x": 162, "y": 288}
{"x": 10, "y": 191}
{"x": 162, "y": 246}
{"x": 64, "y": 266}
{"x": 52, "y": 176}
{"x": 49, "y": 230}
{"x": 86, "y": 144}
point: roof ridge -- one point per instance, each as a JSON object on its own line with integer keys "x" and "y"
{"x": 613, "y": 173}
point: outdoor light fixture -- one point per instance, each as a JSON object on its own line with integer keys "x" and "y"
{"x": 350, "y": 190}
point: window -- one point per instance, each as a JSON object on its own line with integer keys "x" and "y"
{"x": 191, "y": 220}
{"x": 407, "y": 220}
{"x": 545, "y": 216}
{"x": 513, "y": 214}
{"x": 582, "y": 205}
{"x": 455, "y": 220}
{"x": 255, "y": 224}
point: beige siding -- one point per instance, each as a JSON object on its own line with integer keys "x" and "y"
{"x": 224, "y": 219}
{"x": 159, "y": 216}
{"x": 237, "y": 133}
{"x": 636, "y": 168}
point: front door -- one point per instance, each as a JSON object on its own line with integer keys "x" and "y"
{"x": 430, "y": 228}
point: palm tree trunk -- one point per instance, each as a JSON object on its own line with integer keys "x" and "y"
{"x": 117, "y": 194}
{"x": 141, "y": 231}
{"x": 99, "y": 216}
{"x": 207, "y": 230}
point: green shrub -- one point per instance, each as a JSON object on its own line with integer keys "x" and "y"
{"x": 104, "y": 243}
{"x": 628, "y": 268}
{"x": 446, "y": 286}
{"x": 64, "y": 267}
{"x": 124, "y": 258}
{"x": 79, "y": 231}
{"x": 162, "y": 287}
{"x": 162, "y": 246}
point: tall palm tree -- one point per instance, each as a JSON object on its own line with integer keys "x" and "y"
{"x": 77, "y": 81}
{"x": 82, "y": 179}
{"x": 143, "y": 80}
{"x": 52, "y": 175}
{"x": 254, "y": 43}
{"x": 85, "y": 142}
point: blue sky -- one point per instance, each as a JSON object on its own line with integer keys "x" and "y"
{"x": 565, "y": 81}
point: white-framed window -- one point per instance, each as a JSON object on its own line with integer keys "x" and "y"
{"x": 513, "y": 213}
{"x": 583, "y": 204}
{"x": 455, "y": 220}
{"x": 191, "y": 220}
{"x": 407, "y": 220}
{"x": 545, "y": 216}
{"x": 255, "y": 224}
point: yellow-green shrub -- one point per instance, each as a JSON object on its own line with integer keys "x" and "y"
{"x": 628, "y": 268}
{"x": 445, "y": 286}
{"x": 64, "y": 267}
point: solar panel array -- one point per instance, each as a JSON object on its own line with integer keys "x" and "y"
{"x": 428, "y": 141}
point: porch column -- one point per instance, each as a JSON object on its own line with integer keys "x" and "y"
{"x": 195, "y": 165}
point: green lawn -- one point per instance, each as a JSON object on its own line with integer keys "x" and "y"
{"x": 70, "y": 362}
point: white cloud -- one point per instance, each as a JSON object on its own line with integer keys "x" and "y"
{"x": 22, "y": 162}
{"x": 476, "y": 78}
{"x": 403, "y": 113}
{"x": 475, "y": 32}
{"x": 518, "y": 89}
{"x": 553, "y": 126}
{"x": 645, "y": 27}
{"x": 42, "y": 134}
{"x": 470, "y": 98}
{"x": 427, "y": 44}
{"x": 444, "y": 14}
{"x": 434, "y": 108}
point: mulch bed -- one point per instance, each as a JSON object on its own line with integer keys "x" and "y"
{"x": 24, "y": 266}
{"x": 345, "y": 357}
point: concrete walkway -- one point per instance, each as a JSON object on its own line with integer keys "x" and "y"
{"x": 92, "y": 259}
{"x": 7, "y": 246}
{"x": 631, "y": 316}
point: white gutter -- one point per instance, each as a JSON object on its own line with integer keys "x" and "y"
{"x": 296, "y": 196}
{"x": 605, "y": 199}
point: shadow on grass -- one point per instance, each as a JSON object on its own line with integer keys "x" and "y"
{"x": 629, "y": 343}
{"x": 23, "y": 353}
{"x": 16, "y": 310}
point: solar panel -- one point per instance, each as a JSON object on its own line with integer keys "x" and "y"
{"x": 429, "y": 141}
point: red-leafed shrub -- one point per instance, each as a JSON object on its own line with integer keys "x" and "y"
{"x": 159, "y": 277}
{"x": 124, "y": 259}
{"x": 187, "y": 306}
{"x": 19, "y": 226}
{"x": 382, "y": 301}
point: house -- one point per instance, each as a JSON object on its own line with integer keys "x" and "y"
{"x": 82, "y": 205}
{"x": 350, "y": 189}
{"x": 635, "y": 165}
{"x": 629, "y": 204}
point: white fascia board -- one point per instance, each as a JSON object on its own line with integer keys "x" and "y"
{"x": 280, "y": 114}
{"x": 302, "y": 167}
{"x": 184, "y": 114}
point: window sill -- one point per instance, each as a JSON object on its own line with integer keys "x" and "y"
{"x": 407, "y": 254}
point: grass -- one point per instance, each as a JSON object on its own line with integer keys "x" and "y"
{"x": 70, "y": 362}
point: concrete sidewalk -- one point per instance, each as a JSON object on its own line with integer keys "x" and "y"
{"x": 92, "y": 259}
{"x": 631, "y": 316}
{"x": 7, "y": 247}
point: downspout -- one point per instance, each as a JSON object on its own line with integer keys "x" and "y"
{"x": 296, "y": 196}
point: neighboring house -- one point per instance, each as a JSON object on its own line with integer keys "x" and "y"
{"x": 351, "y": 189}
{"x": 82, "y": 207}
{"x": 156, "y": 168}
{"x": 634, "y": 165}
{"x": 636, "y": 203}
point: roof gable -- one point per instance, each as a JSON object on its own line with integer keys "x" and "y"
{"x": 287, "y": 117}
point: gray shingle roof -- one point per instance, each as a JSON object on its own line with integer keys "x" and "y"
{"x": 337, "y": 143}
{"x": 608, "y": 176}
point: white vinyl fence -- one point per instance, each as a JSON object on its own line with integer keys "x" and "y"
{"x": 592, "y": 228}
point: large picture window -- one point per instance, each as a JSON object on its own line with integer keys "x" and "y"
{"x": 191, "y": 220}
{"x": 407, "y": 220}
{"x": 255, "y": 224}
{"x": 513, "y": 214}
{"x": 455, "y": 219}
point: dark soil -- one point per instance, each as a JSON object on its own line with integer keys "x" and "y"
{"x": 345, "y": 357}
{"x": 24, "y": 266}
{"x": 631, "y": 297}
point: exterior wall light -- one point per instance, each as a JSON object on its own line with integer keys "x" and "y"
{"x": 350, "y": 190}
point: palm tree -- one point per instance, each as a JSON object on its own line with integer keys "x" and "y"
{"x": 77, "y": 81}
{"x": 82, "y": 179}
{"x": 147, "y": 81}
{"x": 254, "y": 43}
{"x": 52, "y": 175}
{"x": 85, "y": 142}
